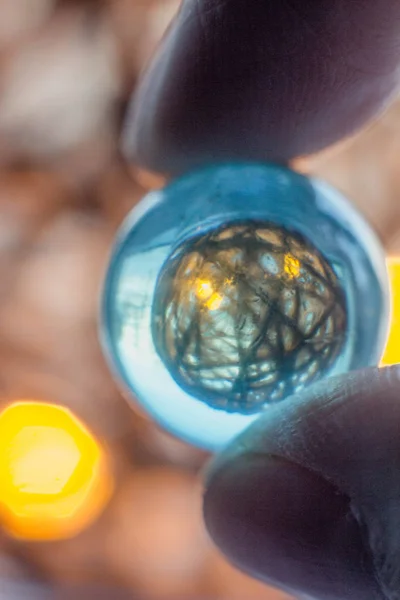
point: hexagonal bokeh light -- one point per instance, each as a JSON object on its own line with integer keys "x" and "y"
{"x": 391, "y": 355}
{"x": 54, "y": 476}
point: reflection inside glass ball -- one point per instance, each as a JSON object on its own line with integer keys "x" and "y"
{"x": 247, "y": 314}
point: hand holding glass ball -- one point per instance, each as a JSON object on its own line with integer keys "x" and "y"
{"x": 307, "y": 498}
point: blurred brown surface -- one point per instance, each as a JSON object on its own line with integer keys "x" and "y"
{"x": 66, "y": 70}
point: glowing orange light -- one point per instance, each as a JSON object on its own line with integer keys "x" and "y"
{"x": 54, "y": 476}
{"x": 204, "y": 290}
{"x": 391, "y": 355}
{"x": 214, "y": 302}
{"x": 292, "y": 266}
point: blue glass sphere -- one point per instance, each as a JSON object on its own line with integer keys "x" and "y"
{"x": 235, "y": 287}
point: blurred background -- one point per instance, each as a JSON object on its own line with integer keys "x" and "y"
{"x": 133, "y": 528}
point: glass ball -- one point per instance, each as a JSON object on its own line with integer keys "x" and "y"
{"x": 247, "y": 313}
{"x": 235, "y": 287}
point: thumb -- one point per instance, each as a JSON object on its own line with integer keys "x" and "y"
{"x": 308, "y": 499}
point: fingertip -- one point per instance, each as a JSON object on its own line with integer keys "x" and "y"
{"x": 288, "y": 527}
{"x": 263, "y": 81}
{"x": 307, "y": 497}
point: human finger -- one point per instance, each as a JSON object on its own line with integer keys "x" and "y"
{"x": 308, "y": 498}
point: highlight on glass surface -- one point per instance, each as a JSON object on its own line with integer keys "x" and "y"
{"x": 235, "y": 287}
{"x": 55, "y": 478}
{"x": 391, "y": 355}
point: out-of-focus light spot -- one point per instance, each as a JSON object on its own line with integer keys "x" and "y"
{"x": 35, "y": 447}
{"x": 214, "y": 302}
{"x": 292, "y": 266}
{"x": 391, "y": 354}
{"x": 54, "y": 476}
{"x": 204, "y": 290}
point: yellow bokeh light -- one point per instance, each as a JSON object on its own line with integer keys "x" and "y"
{"x": 292, "y": 266}
{"x": 204, "y": 290}
{"x": 214, "y": 302}
{"x": 391, "y": 355}
{"x": 54, "y": 476}
{"x": 35, "y": 446}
